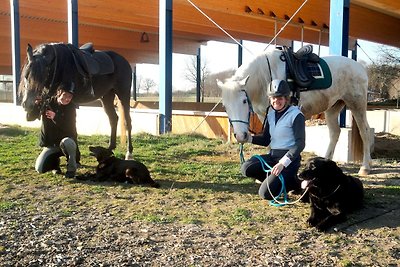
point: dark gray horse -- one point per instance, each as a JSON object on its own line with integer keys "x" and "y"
{"x": 93, "y": 75}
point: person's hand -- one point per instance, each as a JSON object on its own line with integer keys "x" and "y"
{"x": 50, "y": 114}
{"x": 276, "y": 170}
{"x": 38, "y": 100}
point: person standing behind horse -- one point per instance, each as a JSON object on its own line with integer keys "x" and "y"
{"x": 284, "y": 132}
{"x": 58, "y": 135}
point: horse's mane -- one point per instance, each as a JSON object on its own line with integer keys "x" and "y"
{"x": 53, "y": 66}
{"x": 258, "y": 71}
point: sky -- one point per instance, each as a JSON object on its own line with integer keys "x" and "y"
{"x": 223, "y": 56}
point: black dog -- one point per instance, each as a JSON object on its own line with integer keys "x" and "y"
{"x": 332, "y": 193}
{"x": 115, "y": 169}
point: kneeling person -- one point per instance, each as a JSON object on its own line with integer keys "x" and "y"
{"x": 58, "y": 135}
{"x": 284, "y": 132}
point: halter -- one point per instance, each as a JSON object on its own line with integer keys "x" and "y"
{"x": 250, "y": 111}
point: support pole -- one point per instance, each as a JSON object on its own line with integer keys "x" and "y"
{"x": 73, "y": 28}
{"x": 319, "y": 42}
{"x": 198, "y": 75}
{"x": 16, "y": 48}
{"x": 240, "y": 54}
{"x": 134, "y": 86}
{"x": 339, "y": 35}
{"x": 165, "y": 61}
{"x": 354, "y": 51}
{"x": 302, "y": 35}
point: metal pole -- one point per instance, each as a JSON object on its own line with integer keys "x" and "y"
{"x": 134, "y": 87}
{"x": 165, "y": 61}
{"x": 354, "y": 51}
{"x": 240, "y": 54}
{"x": 15, "y": 47}
{"x": 339, "y": 36}
{"x": 198, "y": 75}
{"x": 73, "y": 28}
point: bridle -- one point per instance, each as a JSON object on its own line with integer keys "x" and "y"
{"x": 45, "y": 97}
{"x": 250, "y": 106}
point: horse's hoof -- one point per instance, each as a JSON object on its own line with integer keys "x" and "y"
{"x": 364, "y": 171}
{"x": 128, "y": 156}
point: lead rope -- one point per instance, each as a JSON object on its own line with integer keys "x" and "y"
{"x": 276, "y": 202}
{"x": 241, "y": 154}
{"x": 267, "y": 169}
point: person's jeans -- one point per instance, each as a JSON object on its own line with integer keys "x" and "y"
{"x": 49, "y": 158}
{"x": 253, "y": 168}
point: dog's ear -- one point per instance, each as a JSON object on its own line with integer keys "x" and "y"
{"x": 312, "y": 165}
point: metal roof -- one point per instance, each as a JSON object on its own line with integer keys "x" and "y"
{"x": 119, "y": 25}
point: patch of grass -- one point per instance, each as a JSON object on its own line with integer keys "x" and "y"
{"x": 154, "y": 218}
{"x": 200, "y": 184}
{"x": 241, "y": 215}
{"x": 7, "y": 205}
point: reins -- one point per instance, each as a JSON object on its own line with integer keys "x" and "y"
{"x": 55, "y": 68}
{"x": 46, "y": 96}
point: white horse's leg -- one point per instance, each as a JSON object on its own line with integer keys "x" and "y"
{"x": 331, "y": 118}
{"x": 360, "y": 117}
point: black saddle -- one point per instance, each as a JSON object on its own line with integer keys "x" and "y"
{"x": 92, "y": 62}
{"x": 296, "y": 65}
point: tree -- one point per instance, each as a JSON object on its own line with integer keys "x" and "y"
{"x": 191, "y": 74}
{"x": 148, "y": 84}
{"x": 211, "y": 82}
{"x": 390, "y": 55}
{"x": 385, "y": 74}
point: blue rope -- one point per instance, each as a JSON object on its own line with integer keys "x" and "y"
{"x": 264, "y": 166}
{"x": 241, "y": 153}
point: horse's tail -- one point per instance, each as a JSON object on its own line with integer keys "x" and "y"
{"x": 122, "y": 123}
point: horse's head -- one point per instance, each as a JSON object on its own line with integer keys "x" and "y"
{"x": 34, "y": 79}
{"x": 237, "y": 105}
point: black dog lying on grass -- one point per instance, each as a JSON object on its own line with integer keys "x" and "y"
{"x": 111, "y": 168}
{"x": 332, "y": 193}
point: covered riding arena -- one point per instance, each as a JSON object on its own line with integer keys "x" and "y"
{"x": 205, "y": 212}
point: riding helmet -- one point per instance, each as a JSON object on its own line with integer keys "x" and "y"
{"x": 70, "y": 89}
{"x": 278, "y": 88}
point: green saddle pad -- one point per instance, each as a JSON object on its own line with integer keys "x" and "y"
{"x": 322, "y": 75}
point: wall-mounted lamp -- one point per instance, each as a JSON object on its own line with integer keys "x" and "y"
{"x": 144, "y": 38}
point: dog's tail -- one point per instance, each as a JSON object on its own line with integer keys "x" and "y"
{"x": 155, "y": 184}
{"x": 140, "y": 179}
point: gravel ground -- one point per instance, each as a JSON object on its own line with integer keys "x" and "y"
{"x": 102, "y": 240}
{"x": 93, "y": 239}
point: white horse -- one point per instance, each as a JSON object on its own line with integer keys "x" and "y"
{"x": 349, "y": 87}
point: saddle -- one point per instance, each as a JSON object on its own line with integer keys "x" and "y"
{"x": 298, "y": 73}
{"x": 91, "y": 62}
{"x": 297, "y": 65}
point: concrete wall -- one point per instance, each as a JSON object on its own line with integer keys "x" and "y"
{"x": 93, "y": 120}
